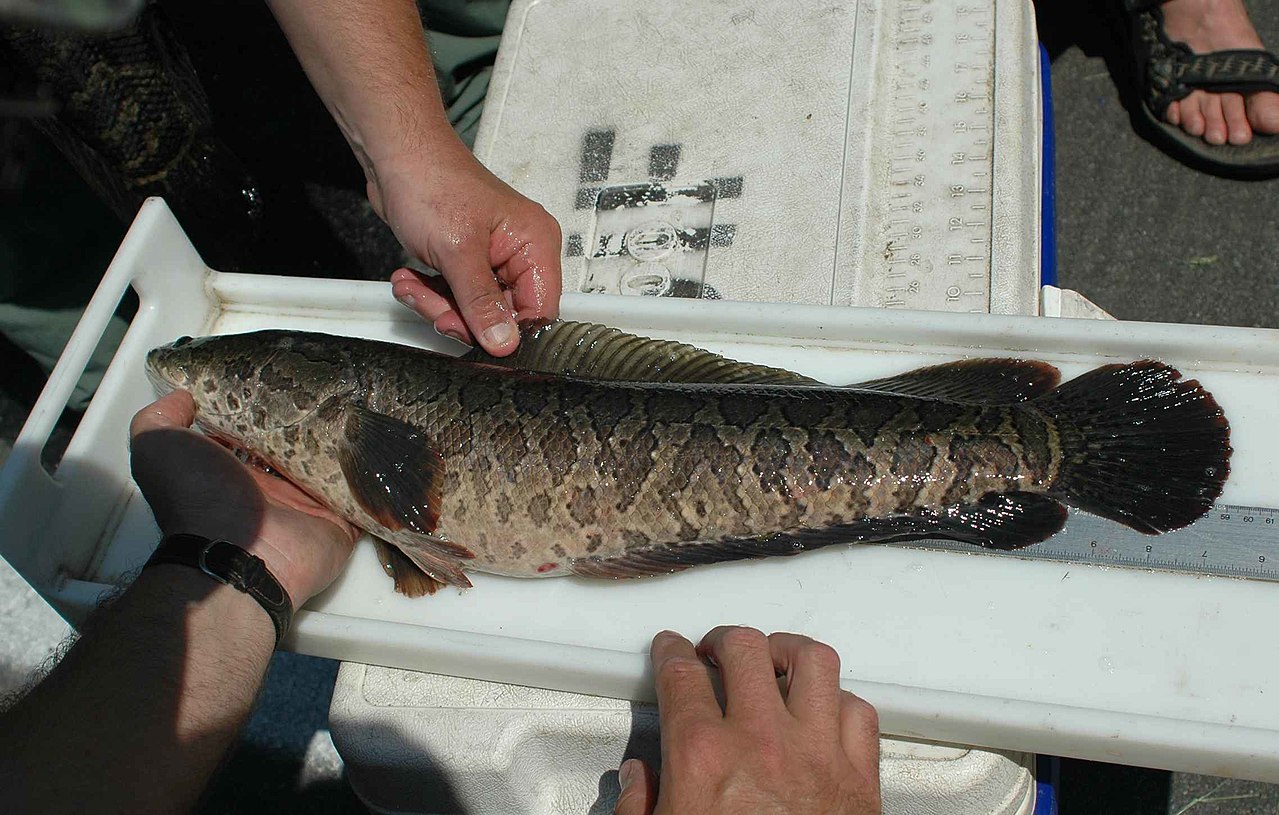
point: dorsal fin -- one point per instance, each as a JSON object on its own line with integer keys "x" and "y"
{"x": 972, "y": 381}
{"x": 591, "y": 351}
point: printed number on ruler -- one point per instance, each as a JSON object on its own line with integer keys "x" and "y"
{"x": 935, "y": 214}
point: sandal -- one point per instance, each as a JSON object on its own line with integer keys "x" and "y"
{"x": 1168, "y": 71}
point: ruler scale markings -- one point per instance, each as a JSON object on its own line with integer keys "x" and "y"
{"x": 937, "y": 137}
{"x": 1230, "y": 541}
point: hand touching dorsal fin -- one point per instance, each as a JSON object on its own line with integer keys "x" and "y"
{"x": 971, "y": 381}
{"x": 591, "y": 351}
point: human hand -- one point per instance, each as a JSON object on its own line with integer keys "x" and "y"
{"x": 807, "y": 748}
{"x": 196, "y": 486}
{"x": 497, "y": 251}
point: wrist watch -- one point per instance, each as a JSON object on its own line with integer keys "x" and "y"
{"x": 228, "y": 563}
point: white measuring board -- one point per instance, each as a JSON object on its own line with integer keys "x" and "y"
{"x": 1115, "y": 664}
{"x": 795, "y": 151}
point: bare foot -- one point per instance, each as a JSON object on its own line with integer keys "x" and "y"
{"x": 1218, "y": 25}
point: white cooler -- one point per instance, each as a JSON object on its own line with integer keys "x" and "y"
{"x": 750, "y": 150}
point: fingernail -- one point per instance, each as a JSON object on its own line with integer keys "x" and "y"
{"x": 453, "y": 335}
{"x": 629, "y": 772}
{"x": 500, "y": 334}
{"x": 407, "y": 300}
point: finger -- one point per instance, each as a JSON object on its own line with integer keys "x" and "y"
{"x": 639, "y": 789}
{"x": 746, "y": 665}
{"x": 811, "y": 669}
{"x": 176, "y": 409}
{"x": 1237, "y": 128}
{"x": 429, "y": 296}
{"x": 531, "y": 267}
{"x": 478, "y": 295}
{"x": 685, "y": 696}
{"x": 859, "y": 731}
{"x": 451, "y": 324}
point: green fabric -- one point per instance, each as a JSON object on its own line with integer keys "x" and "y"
{"x": 464, "y": 36}
{"x": 43, "y": 333}
{"x": 56, "y": 240}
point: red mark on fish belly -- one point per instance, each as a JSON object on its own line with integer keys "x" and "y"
{"x": 547, "y": 567}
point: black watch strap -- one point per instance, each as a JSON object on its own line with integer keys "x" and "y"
{"x": 228, "y": 563}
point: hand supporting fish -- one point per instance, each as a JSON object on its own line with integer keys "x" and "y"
{"x": 597, "y": 453}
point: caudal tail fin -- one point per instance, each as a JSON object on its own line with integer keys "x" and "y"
{"x": 1139, "y": 446}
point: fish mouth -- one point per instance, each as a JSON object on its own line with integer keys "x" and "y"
{"x": 168, "y": 378}
{"x": 159, "y": 379}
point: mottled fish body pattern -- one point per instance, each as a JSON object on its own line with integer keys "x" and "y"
{"x": 471, "y": 464}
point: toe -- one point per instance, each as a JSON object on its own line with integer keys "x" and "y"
{"x": 1192, "y": 117}
{"x": 1263, "y": 112}
{"x": 1214, "y": 119}
{"x": 1173, "y": 114}
{"x": 1238, "y": 131}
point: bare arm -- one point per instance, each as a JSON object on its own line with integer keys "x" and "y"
{"x": 369, "y": 62}
{"x": 138, "y": 715}
{"x": 498, "y": 252}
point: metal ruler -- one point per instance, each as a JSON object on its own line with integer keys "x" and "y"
{"x": 1231, "y": 541}
{"x": 929, "y": 236}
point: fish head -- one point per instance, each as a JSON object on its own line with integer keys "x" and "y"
{"x": 246, "y": 386}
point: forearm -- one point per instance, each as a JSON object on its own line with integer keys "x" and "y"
{"x": 369, "y": 62}
{"x": 139, "y": 714}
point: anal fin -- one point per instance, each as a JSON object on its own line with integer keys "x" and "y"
{"x": 429, "y": 555}
{"x": 998, "y": 520}
{"x": 409, "y": 579}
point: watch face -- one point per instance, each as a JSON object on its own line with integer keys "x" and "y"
{"x": 243, "y": 570}
{"x": 227, "y": 563}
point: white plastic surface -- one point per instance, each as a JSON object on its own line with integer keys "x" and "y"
{"x": 413, "y": 740}
{"x": 1112, "y": 664}
{"x": 1055, "y": 302}
{"x": 866, "y": 153}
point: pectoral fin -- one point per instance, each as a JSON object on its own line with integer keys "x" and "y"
{"x": 998, "y": 521}
{"x": 395, "y": 475}
{"x": 392, "y": 470}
